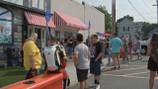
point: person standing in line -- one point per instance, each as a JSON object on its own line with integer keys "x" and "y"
{"x": 96, "y": 59}
{"x": 108, "y": 51}
{"x": 32, "y": 56}
{"x": 81, "y": 61}
{"x": 116, "y": 44}
{"x": 153, "y": 59}
{"x": 130, "y": 46}
{"x": 125, "y": 48}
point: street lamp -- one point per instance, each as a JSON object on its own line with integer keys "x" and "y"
{"x": 157, "y": 9}
{"x": 83, "y": 3}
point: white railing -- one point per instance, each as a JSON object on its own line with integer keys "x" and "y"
{"x": 19, "y": 2}
{"x": 39, "y": 4}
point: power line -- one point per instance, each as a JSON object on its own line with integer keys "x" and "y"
{"x": 137, "y": 10}
{"x": 101, "y": 2}
{"x": 148, "y": 6}
{"x": 146, "y": 12}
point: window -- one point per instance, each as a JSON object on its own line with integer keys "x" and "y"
{"x": 41, "y": 4}
{"x": 57, "y": 34}
{"x": 123, "y": 29}
{"x": 5, "y": 26}
{"x": 128, "y": 28}
{"x": 38, "y": 4}
{"x": 27, "y": 3}
{"x": 35, "y": 3}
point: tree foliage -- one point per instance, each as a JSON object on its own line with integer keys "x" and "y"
{"x": 108, "y": 18}
{"x": 147, "y": 27}
{"x": 127, "y": 16}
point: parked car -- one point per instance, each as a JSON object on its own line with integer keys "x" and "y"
{"x": 144, "y": 46}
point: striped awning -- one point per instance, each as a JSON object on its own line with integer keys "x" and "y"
{"x": 61, "y": 19}
{"x": 37, "y": 19}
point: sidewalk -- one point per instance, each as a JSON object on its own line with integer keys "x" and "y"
{"x": 72, "y": 72}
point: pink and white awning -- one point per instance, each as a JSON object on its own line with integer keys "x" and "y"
{"x": 37, "y": 19}
{"x": 61, "y": 19}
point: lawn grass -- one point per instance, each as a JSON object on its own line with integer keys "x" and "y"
{"x": 10, "y": 75}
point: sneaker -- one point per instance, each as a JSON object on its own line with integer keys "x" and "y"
{"x": 92, "y": 86}
{"x": 97, "y": 86}
{"x": 118, "y": 67}
{"x": 114, "y": 68}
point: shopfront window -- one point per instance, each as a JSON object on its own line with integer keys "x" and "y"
{"x": 5, "y": 26}
{"x": 38, "y": 4}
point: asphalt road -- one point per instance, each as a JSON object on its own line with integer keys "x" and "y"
{"x": 131, "y": 76}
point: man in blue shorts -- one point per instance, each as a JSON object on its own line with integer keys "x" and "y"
{"x": 116, "y": 44}
{"x": 95, "y": 62}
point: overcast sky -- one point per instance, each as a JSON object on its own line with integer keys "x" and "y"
{"x": 145, "y": 9}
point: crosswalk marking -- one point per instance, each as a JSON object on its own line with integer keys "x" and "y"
{"x": 129, "y": 69}
{"x": 114, "y": 75}
{"x": 139, "y": 68}
{"x": 136, "y": 73}
{"x": 130, "y": 75}
{"x": 138, "y": 77}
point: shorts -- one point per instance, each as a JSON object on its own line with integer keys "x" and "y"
{"x": 115, "y": 54}
{"x": 152, "y": 66}
{"x": 82, "y": 74}
{"x": 95, "y": 67}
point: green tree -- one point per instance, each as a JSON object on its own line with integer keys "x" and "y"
{"x": 127, "y": 16}
{"x": 108, "y": 18}
{"x": 147, "y": 27}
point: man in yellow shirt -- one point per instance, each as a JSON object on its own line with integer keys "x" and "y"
{"x": 32, "y": 56}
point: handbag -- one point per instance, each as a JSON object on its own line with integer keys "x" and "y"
{"x": 63, "y": 62}
{"x": 122, "y": 52}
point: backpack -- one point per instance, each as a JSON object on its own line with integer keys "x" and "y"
{"x": 52, "y": 58}
{"x": 62, "y": 55}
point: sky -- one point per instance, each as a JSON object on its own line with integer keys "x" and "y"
{"x": 144, "y": 10}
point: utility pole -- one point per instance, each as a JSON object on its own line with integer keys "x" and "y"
{"x": 113, "y": 16}
{"x": 157, "y": 9}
